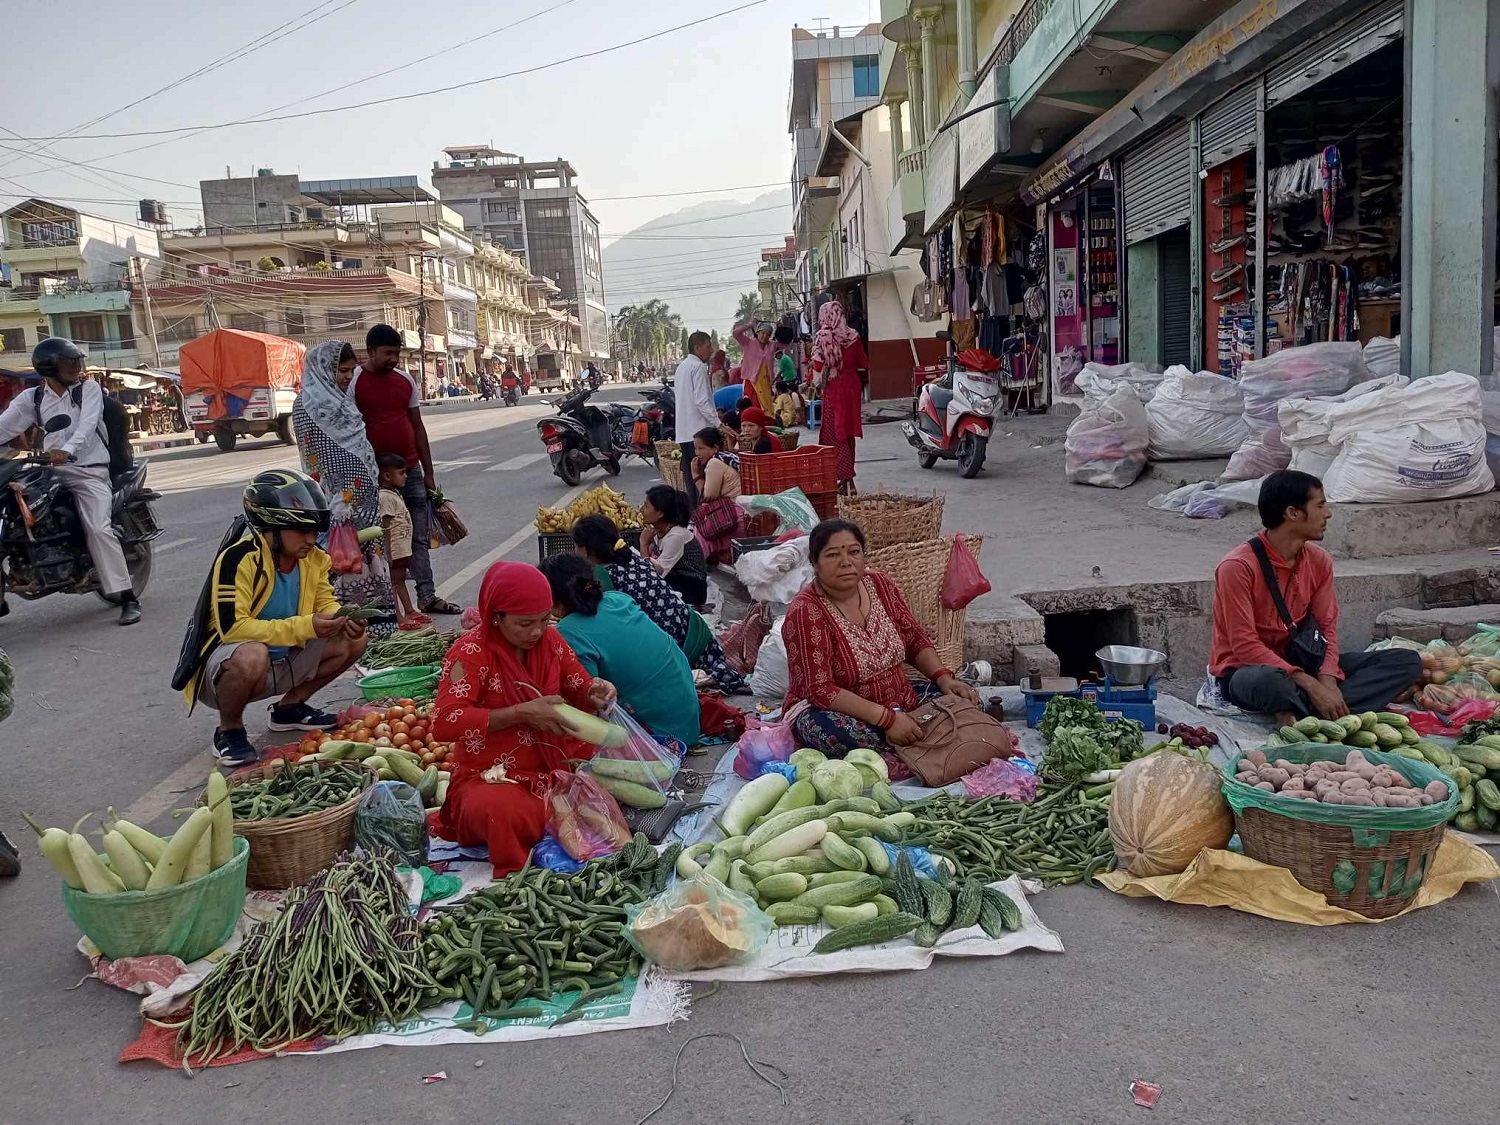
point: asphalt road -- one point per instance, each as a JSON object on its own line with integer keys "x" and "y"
{"x": 1241, "y": 1020}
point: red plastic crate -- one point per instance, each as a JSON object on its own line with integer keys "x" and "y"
{"x": 810, "y": 468}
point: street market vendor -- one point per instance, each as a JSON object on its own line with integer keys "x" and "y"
{"x": 848, "y": 635}
{"x": 495, "y": 701}
{"x": 1275, "y": 641}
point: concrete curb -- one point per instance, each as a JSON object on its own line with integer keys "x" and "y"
{"x": 176, "y": 441}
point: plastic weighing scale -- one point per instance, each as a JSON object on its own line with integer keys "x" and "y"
{"x": 1116, "y": 701}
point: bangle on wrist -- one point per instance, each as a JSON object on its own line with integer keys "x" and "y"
{"x": 939, "y": 674}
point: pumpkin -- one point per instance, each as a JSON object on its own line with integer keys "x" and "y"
{"x": 1165, "y": 809}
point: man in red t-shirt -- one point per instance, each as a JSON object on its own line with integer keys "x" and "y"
{"x": 390, "y": 402}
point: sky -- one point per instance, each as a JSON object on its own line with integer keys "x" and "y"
{"x": 699, "y": 109}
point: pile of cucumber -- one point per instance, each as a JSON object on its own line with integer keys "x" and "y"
{"x": 390, "y": 763}
{"x": 1475, "y": 769}
{"x": 1370, "y": 730}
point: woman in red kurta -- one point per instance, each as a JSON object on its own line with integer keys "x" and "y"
{"x": 494, "y": 703}
{"x": 838, "y": 358}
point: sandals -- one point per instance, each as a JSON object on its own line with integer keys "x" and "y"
{"x": 440, "y": 605}
{"x": 415, "y": 621}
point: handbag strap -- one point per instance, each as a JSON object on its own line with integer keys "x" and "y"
{"x": 1270, "y": 575}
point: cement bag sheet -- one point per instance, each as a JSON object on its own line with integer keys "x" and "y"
{"x": 1195, "y": 414}
{"x": 1305, "y": 424}
{"x": 1106, "y": 444}
{"x": 1423, "y": 441}
{"x": 1311, "y": 371}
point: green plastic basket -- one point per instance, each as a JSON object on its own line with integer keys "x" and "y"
{"x": 400, "y": 681}
{"x": 188, "y": 921}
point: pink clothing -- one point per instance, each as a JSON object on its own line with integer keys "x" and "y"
{"x": 757, "y": 363}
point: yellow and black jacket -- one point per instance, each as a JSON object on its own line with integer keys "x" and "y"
{"x": 236, "y": 590}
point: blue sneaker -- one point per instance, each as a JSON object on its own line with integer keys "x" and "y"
{"x": 233, "y": 749}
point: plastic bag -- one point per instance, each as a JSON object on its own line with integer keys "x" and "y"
{"x": 921, "y": 859}
{"x": 391, "y": 815}
{"x": 343, "y": 549}
{"x": 697, "y": 923}
{"x": 1264, "y": 453}
{"x": 1311, "y": 371}
{"x": 771, "y": 677}
{"x": 1424, "y": 441}
{"x": 549, "y": 853}
{"x": 1206, "y": 505}
{"x": 1106, "y": 444}
{"x": 1098, "y": 381}
{"x": 1484, "y": 643}
{"x": 1305, "y": 424}
{"x": 1000, "y": 778}
{"x": 792, "y": 508}
{"x": 741, "y": 643}
{"x": 583, "y": 817}
{"x": 1195, "y": 414}
{"x": 963, "y": 581}
{"x": 770, "y": 742}
{"x": 1382, "y": 356}
{"x": 776, "y": 574}
{"x": 642, "y": 760}
{"x": 449, "y": 523}
{"x": 1066, "y": 368}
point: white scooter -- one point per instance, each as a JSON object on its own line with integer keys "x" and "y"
{"x": 951, "y": 415}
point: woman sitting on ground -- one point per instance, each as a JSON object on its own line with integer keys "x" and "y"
{"x": 495, "y": 704}
{"x": 615, "y": 639}
{"x": 755, "y": 433}
{"x": 599, "y": 542}
{"x": 848, "y": 635}
{"x": 668, "y": 543}
{"x": 719, "y": 520}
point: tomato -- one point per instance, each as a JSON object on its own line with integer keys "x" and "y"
{"x": 399, "y": 740}
{"x": 417, "y": 729}
{"x": 382, "y": 742}
{"x": 428, "y": 758}
{"x": 399, "y": 727}
{"x": 383, "y": 730}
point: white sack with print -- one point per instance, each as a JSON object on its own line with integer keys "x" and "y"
{"x": 1305, "y": 424}
{"x": 1423, "y": 441}
{"x": 1106, "y": 444}
{"x": 1311, "y": 371}
{"x": 1195, "y": 414}
{"x": 771, "y": 677}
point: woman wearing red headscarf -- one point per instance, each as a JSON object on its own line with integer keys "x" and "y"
{"x": 494, "y": 703}
{"x": 838, "y": 358}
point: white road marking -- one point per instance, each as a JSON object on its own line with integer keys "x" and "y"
{"x": 466, "y": 452}
{"x": 169, "y": 545}
{"x": 481, "y": 564}
{"x": 520, "y": 461}
{"x": 176, "y": 789}
{"x": 455, "y": 464}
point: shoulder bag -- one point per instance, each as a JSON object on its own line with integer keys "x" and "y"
{"x": 1305, "y": 646}
{"x": 957, "y": 737}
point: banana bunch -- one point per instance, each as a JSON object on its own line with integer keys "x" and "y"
{"x": 604, "y": 501}
{"x": 552, "y": 519}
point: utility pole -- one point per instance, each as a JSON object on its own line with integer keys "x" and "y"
{"x": 139, "y": 270}
{"x": 422, "y": 317}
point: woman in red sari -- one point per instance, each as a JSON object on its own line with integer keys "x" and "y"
{"x": 494, "y": 703}
{"x": 838, "y": 358}
{"x": 848, "y": 635}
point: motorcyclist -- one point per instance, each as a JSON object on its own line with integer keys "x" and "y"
{"x": 79, "y": 456}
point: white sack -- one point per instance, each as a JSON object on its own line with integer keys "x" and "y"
{"x": 1195, "y": 414}
{"x": 1106, "y": 444}
{"x": 771, "y": 677}
{"x": 1383, "y": 356}
{"x": 1424, "y": 441}
{"x": 776, "y": 574}
{"x": 1098, "y": 381}
{"x": 1305, "y": 424}
{"x": 1491, "y": 401}
{"x": 1263, "y": 453}
{"x": 1311, "y": 371}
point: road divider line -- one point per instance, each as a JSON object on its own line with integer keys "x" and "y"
{"x": 519, "y": 461}
{"x": 481, "y": 564}
{"x": 180, "y": 787}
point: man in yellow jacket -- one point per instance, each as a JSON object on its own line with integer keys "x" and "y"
{"x": 267, "y": 622}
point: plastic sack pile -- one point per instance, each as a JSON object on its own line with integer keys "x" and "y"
{"x": 1106, "y": 444}
{"x": 1195, "y": 414}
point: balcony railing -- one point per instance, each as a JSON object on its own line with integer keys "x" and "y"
{"x": 1020, "y": 30}
{"x": 912, "y": 160}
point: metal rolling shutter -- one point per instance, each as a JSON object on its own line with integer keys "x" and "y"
{"x": 1176, "y": 282}
{"x": 1227, "y": 127}
{"x": 1157, "y": 185}
{"x": 1361, "y": 36}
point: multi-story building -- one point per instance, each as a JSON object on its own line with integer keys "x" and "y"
{"x": 534, "y": 207}
{"x": 68, "y": 274}
{"x": 555, "y": 332}
{"x": 504, "y": 314}
{"x": 319, "y": 260}
{"x": 776, "y": 279}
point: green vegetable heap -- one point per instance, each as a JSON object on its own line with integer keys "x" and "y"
{"x": 298, "y": 790}
{"x": 1081, "y": 740}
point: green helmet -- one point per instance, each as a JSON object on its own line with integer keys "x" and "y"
{"x": 286, "y": 500}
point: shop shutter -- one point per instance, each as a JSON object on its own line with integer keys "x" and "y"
{"x": 1227, "y": 127}
{"x": 1176, "y": 280}
{"x": 1361, "y": 36}
{"x": 1156, "y": 181}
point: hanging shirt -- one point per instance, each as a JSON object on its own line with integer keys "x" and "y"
{"x": 286, "y": 594}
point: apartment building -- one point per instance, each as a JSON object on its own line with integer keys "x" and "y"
{"x": 555, "y": 332}
{"x": 776, "y": 279}
{"x": 67, "y": 273}
{"x": 504, "y": 313}
{"x": 534, "y": 207}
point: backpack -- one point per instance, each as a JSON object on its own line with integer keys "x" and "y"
{"x": 195, "y": 650}
{"x": 114, "y": 426}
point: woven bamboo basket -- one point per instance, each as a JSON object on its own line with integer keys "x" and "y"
{"x": 889, "y": 518}
{"x": 668, "y": 462}
{"x": 286, "y": 851}
{"x": 918, "y": 569}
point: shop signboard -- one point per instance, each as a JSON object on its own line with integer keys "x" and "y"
{"x": 942, "y": 178}
{"x": 986, "y": 135}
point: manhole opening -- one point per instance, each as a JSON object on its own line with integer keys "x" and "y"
{"x": 1077, "y": 635}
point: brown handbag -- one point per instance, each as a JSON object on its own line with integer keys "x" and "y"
{"x": 957, "y": 737}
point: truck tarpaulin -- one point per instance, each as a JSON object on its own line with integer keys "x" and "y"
{"x": 228, "y": 366}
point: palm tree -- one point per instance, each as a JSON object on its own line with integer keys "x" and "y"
{"x": 651, "y": 332}
{"x": 749, "y": 302}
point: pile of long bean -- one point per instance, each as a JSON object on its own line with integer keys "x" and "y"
{"x": 408, "y": 650}
{"x": 538, "y": 932}
{"x": 340, "y": 956}
{"x": 296, "y": 790}
{"x": 1062, "y": 837}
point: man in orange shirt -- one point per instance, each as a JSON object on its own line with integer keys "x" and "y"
{"x": 1275, "y": 626}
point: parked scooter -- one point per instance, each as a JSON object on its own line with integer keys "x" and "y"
{"x": 580, "y": 436}
{"x": 951, "y": 417}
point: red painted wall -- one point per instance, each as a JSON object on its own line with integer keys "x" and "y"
{"x": 890, "y": 364}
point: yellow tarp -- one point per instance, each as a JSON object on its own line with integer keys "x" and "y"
{"x": 1224, "y": 878}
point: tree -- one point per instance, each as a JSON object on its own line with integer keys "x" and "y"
{"x": 649, "y": 333}
{"x": 749, "y": 302}
{"x": 682, "y": 341}
{"x": 713, "y": 338}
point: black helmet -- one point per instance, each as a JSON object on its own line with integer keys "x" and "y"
{"x": 45, "y": 355}
{"x": 286, "y": 500}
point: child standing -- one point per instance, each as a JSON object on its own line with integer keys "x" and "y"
{"x": 395, "y": 519}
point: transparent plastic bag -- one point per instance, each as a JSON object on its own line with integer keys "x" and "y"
{"x": 770, "y": 742}
{"x": 1485, "y": 642}
{"x": 697, "y": 923}
{"x": 1000, "y": 778}
{"x": 642, "y": 760}
{"x": 792, "y": 507}
{"x": 583, "y": 817}
{"x": 1105, "y": 445}
{"x": 391, "y": 815}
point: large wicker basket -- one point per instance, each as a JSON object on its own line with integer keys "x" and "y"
{"x": 888, "y": 518}
{"x": 1350, "y": 854}
{"x": 918, "y": 569}
{"x": 668, "y": 462}
{"x": 286, "y": 851}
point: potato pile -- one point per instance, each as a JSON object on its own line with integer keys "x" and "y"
{"x": 1350, "y": 781}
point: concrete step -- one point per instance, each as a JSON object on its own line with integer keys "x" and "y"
{"x": 1451, "y": 625}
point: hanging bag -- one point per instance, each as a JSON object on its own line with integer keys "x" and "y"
{"x": 1305, "y": 646}
{"x": 963, "y": 581}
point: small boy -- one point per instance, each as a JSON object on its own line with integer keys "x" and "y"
{"x": 789, "y": 408}
{"x": 396, "y": 520}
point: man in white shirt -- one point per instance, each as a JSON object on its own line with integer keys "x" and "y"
{"x": 695, "y": 404}
{"x": 78, "y": 455}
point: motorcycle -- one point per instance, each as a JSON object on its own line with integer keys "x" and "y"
{"x": 42, "y": 546}
{"x": 510, "y": 392}
{"x": 659, "y": 413}
{"x": 580, "y": 436}
{"x": 951, "y": 415}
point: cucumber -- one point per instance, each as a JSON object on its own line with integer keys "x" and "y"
{"x": 791, "y": 914}
{"x": 654, "y": 774}
{"x": 780, "y": 888}
{"x": 864, "y": 823}
{"x": 800, "y": 795}
{"x": 871, "y": 931}
{"x": 427, "y": 787}
{"x": 1364, "y": 739}
{"x": 1488, "y": 818}
{"x": 753, "y": 799}
{"x": 629, "y": 793}
{"x": 1393, "y": 718}
{"x": 1487, "y": 793}
{"x": 852, "y": 804}
{"x": 808, "y": 865}
{"x": 884, "y": 796}
{"x": 1388, "y": 735}
{"x": 837, "y": 916}
{"x": 1308, "y": 725}
{"x": 1486, "y": 757}
{"x": 781, "y": 822}
{"x": 759, "y": 871}
{"x": 885, "y": 904}
{"x": 1368, "y": 719}
{"x": 1291, "y": 735}
{"x": 800, "y": 839}
{"x": 876, "y": 856}
{"x": 841, "y": 894}
{"x": 739, "y": 881}
{"x": 824, "y": 878}
{"x": 843, "y": 854}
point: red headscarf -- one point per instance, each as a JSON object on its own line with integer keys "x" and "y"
{"x": 718, "y": 361}
{"x": 834, "y": 335}
{"x": 509, "y": 678}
